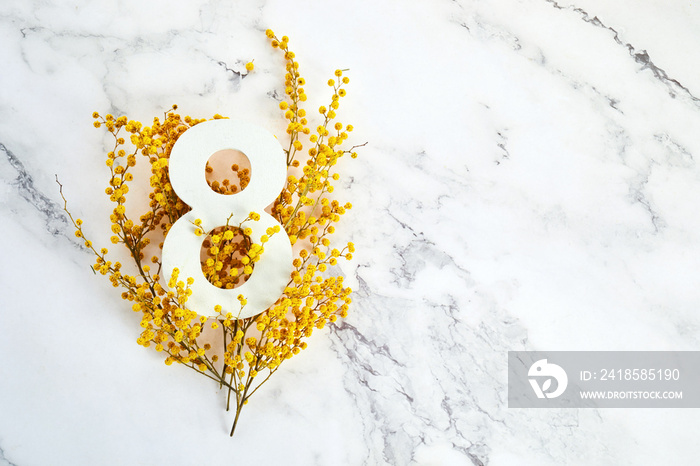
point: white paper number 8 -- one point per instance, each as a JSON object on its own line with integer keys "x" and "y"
{"x": 181, "y": 248}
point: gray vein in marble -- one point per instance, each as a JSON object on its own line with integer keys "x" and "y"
{"x": 473, "y": 457}
{"x": 275, "y": 95}
{"x": 641, "y": 57}
{"x": 3, "y": 459}
{"x": 490, "y": 30}
{"x": 502, "y": 144}
{"x": 637, "y": 193}
{"x": 677, "y": 154}
{"x": 403, "y": 225}
{"x": 376, "y": 349}
{"x": 637, "y": 185}
{"x": 236, "y": 76}
{"x": 55, "y": 219}
{"x": 416, "y": 255}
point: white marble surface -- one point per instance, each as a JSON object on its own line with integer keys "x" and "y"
{"x": 531, "y": 182}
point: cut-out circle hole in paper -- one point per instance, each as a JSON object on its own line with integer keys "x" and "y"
{"x": 224, "y": 257}
{"x": 228, "y": 171}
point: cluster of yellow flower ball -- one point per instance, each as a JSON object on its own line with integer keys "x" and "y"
{"x": 311, "y": 299}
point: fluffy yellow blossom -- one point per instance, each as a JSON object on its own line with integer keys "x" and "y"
{"x": 248, "y": 349}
